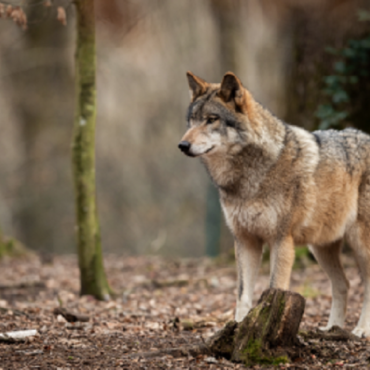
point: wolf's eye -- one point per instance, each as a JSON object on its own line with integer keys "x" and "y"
{"x": 211, "y": 120}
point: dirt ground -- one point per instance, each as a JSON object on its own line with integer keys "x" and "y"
{"x": 161, "y": 303}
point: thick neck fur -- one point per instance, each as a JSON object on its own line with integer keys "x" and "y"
{"x": 242, "y": 168}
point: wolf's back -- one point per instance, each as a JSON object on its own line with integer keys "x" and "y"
{"x": 349, "y": 148}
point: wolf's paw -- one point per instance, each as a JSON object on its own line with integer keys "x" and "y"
{"x": 241, "y": 312}
{"x": 362, "y": 332}
{"x": 331, "y": 323}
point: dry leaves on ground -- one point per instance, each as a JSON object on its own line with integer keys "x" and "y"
{"x": 161, "y": 304}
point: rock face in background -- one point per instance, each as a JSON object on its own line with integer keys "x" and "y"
{"x": 151, "y": 198}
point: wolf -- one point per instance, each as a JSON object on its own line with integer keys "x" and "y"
{"x": 283, "y": 186}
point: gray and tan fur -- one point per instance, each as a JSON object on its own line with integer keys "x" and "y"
{"x": 283, "y": 186}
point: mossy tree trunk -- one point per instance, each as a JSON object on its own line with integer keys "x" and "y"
{"x": 93, "y": 278}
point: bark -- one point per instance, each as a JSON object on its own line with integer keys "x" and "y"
{"x": 92, "y": 275}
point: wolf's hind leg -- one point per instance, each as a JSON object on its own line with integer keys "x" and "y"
{"x": 362, "y": 253}
{"x": 328, "y": 258}
{"x": 248, "y": 253}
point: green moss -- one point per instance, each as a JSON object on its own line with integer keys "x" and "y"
{"x": 280, "y": 360}
{"x": 255, "y": 354}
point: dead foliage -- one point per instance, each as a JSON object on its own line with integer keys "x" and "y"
{"x": 151, "y": 326}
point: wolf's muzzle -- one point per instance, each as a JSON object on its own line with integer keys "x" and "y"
{"x": 184, "y": 146}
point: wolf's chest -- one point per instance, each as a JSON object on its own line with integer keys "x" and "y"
{"x": 255, "y": 217}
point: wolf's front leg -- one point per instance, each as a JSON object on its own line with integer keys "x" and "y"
{"x": 248, "y": 254}
{"x": 281, "y": 263}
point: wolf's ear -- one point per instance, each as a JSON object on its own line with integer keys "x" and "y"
{"x": 232, "y": 88}
{"x": 197, "y": 86}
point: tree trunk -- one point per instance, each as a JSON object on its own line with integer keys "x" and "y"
{"x": 267, "y": 332}
{"x": 93, "y": 279}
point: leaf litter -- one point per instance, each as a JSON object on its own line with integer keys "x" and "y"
{"x": 161, "y": 303}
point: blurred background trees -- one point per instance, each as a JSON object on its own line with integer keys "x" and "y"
{"x": 305, "y": 60}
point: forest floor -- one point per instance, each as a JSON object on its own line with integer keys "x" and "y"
{"x": 162, "y": 303}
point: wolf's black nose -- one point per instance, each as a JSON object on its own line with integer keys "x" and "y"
{"x": 184, "y": 146}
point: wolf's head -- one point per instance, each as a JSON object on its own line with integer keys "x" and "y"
{"x": 219, "y": 117}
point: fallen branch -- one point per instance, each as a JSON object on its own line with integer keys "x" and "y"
{"x": 202, "y": 322}
{"x": 198, "y": 324}
{"x": 17, "y": 336}
{"x": 70, "y": 316}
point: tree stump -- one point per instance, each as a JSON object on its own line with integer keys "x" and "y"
{"x": 265, "y": 334}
